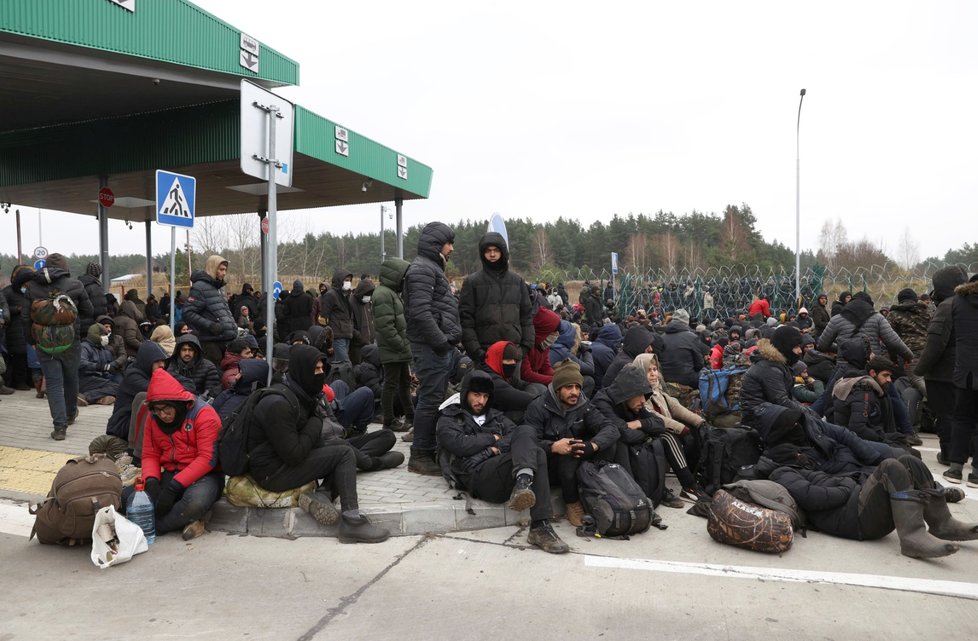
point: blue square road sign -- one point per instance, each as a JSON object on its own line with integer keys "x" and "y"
{"x": 176, "y": 197}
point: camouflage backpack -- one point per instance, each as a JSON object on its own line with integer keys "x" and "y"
{"x": 53, "y": 322}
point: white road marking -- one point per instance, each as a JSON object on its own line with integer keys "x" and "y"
{"x": 15, "y": 519}
{"x": 905, "y": 584}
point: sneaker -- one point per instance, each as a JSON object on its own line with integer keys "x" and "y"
{"x": 973, "y": 480}
{"x": 522, "y": 497}
{"x": 952, "y": 476}
{"x": 694, "y": 494}
{"x": 82, "y": 402}
{"x": 408, "y": 437}
{"x": 319, "y": 507}
{"x": 574, "y": 512}
{"x": 669, "y": 499}
{"x": 59, "y": 434}
{"x": 358, "y": 529}
{"x": 546, "y": 539}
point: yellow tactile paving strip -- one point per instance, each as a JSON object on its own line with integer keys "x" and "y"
{"x": 29, "y": 471}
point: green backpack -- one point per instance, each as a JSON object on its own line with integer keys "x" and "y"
{"x": 53, "y": 322}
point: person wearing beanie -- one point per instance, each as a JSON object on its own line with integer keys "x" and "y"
{"x": 58, "y": 348}
{"x": 510, "y": 394}
{"x": 683, "y": 354}
{"x": 910, "y": 319}
{"x": 770, "y": 379}
{"x": 820, "y": 314}
{"x": 495, "y": 460}
{"x": 569, "y": 432}
{"x": 494, "y": 303}
{"x": 803, "y": 321}
{"x": 207, "y": 311}
{"x": 806, "y": 389}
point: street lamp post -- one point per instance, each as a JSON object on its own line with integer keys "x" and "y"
{"x": 383, "y": 253}
{"x": 798, "y": 206}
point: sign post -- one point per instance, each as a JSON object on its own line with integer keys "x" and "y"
{"x": 614, "y": 269}
{"x": 176, "y": 204}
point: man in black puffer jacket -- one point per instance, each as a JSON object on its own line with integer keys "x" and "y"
{"x": 494, "y": 304}
{"x": 207, "y": 310}
{"x": 95, "y": 291}
{"x": 683, "y": 356}
{"x": 964, "y": 315}
{"x": 433, "y": 327}
{"x": 338, "y": 311}
{"x": 769, "y": 380}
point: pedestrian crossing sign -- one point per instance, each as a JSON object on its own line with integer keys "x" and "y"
{"x": 176, "y": 197}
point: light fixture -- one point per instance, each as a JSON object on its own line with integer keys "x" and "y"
{"x": 367, "y": 184}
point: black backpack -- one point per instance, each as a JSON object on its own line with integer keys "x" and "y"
{"x": 341, "y": 371}
{"x": 610, "y": 495}
{"x": 723, "y": 452}
{"x": 648, "y": 462}
{"x": 232, "y": 442}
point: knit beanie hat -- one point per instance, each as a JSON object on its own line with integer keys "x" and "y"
{"x": 785, "y": 339}
{"x": 681, "y": 315}
{"x": 907, "y": 294}
{"x": 511, "y": 352}
{"x": 567, "y": 372}
{"x": 93, "y": 269}
{"x": 799, "y": 368}
{"x": 785, "y": 429}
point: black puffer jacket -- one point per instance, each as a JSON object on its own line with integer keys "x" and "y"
{"x": 635, "y": 342}
{"x": 206, "y": 309}
{"x": 964, "y": 313}
{"x": 134, "y": 381}
{"x": 467, "y": 442}
{"x": 56, "y": 278}
{"x": 858, "y": 313}
{"x": 368, "y": 372}
{"x": 768, "y": 381}
{"x": 430, "y": 309}
{"x": 96, "y": 294}
{"x": 630, "y": 382}
{"x": 937, "y": 360}
{"x": 20, "y": 315}
{"x": 553, "y": 422}
{"x": 336, "y": 306}
{"x": 202, "y": 374}
{"x": 830, "y": 503}
{"x": 494, "y": 304}
{"x": 820, "y": 366}
{"x": 682, "y": 358}
{"x": 297, "y": 310}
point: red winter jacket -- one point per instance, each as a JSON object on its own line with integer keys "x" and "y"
{"x": 191, "y": 451}
{"x": 536, "y": 366}
{"x": 759, "y": 306}
{"x": 716, "y": 357}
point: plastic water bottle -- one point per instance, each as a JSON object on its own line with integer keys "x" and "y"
{"x": 141, "y": 511}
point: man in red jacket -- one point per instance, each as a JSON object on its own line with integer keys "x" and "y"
{"x": 759, "y": 306}
{"x": 179, "y": 456}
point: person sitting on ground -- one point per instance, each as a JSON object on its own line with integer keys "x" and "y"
{"x": 510, "y": 395}
{"x": 806, "y": 389}
{"x": 860, "y": 402}
{"x": 286, "y": 450}
{"x": 135, "y": 381}
{"x": 849, "y": 489}
{"x": 821, "y": 365}
{"x": 683, "y": 355}
{"x": 604, "y": 347}
{"x": 570, "y": 430}
{"x": 803, "y": 321}
{"x": 127, "y": 325}
{"x": 568, "y": 346}
{"x": 535, "y": 366}
{"x": 98, "y": 380}
{"x": 638, "y": 340}
{"x": 769, "y": 380}
{"x": 188, "y": 363}
{"x": 237, "y": 351}
{"x": 164, "y": 336}
{"x": 253, "y": 376}
{"x": 497, "y": 461}
{"x": 178, "y": 456}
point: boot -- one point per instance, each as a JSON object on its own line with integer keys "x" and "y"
{"x": 574, "y": 513}
{"x": 355, "y": 527}
{"x": 423, "y": 462}
{"x": 522, "y": 497}
{"x": 908, "y": 516}
{"x": 544, "y": 537}
{"x": 319, "y": 507}
{"x": 388, "y": 460}
{"x": 5, "y": 390}
{"x": 197, "y": 528}
{"x": 942, "y": 524}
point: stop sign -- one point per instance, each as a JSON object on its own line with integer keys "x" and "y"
{"x": 105, "y": 197}
{"x": 264, "y": 225}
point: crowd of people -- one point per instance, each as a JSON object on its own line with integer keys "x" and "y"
{"x": 505, "y": 388}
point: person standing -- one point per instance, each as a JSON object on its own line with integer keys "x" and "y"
{"x": 18, "y": 328}
{"x": 392, "y": 343}
{"x": 433, "y": 327}
{"x": 363, "y": 318}
{"x": 58, "y": 362}
{"x": 338, "y": 311}
{"x": 207, "y": 310}
{"x": 820, "y": 314}
{"x": 964, "y": 315}
{"x": 95, "y": 291}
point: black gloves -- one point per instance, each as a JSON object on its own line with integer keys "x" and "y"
{"x": 168, "y": 496}
{"x": 152, "y": 487}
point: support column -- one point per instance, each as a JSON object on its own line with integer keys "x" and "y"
{"x": 149, "y": 257}
{"x": 398, "y": 208}
{"x": 262, "y": 213}
{"x": 103, "y": 239}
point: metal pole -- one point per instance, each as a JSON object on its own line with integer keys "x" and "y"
{"x": 272, "y": 246}
{"x": 173, "y": 279}
{"x": 798, "y": 206}
{"x": 149, "y": 257}
{"x": 103, "y": 239}
{"x": 398, "y": 208}
{"x": 383, "y": 254}
{"x": 20, "y": 251}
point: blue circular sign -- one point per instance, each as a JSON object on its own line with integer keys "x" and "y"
{"x": 276, "y": 290}
{"x": 39, "y": 264}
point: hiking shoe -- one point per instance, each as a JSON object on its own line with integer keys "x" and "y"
{"x": 574, "y": 513}
{"x": 522, "y": 497}
{"x": 74, "y": 415}
{"x": 669, "y": 499}
{"x": 409, "y": 436}
{"x": 913, "y": 439}
{"x": 319, "y": 507}
{"x": 358, "y": 529}
{"x": 59, "y": 434}
{"x": 546, "y": 539}
{"x": 694, "y": 494}
{"x": 389, "y": 460}
{"x": 82, "y": 402}
{"x": 952, "y": 476}
{"x": 423, "y": 462}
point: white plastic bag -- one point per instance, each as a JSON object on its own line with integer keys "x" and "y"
{"x": 115, "y": 539}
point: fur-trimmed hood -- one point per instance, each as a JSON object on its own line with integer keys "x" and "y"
{"x": 767, "y": 351}
{"x": 969, "y": 291}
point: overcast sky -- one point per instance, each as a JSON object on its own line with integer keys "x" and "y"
{"x": 544, "y": 109}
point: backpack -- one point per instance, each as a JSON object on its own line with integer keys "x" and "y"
{"x": 232, "y": 441}
{"x": 614, "y": 499}
{"x": 648, "y": 462}
{"x": 745, "y": 525}
{"x": 341, "y": 371}
{"x": 723, "y": 452}
{"x": 53, "y": 322}
{"x": 80, "y": 489}
{"x": 713, "y": 387}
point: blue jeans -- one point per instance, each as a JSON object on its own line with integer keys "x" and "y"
{"x": 354, "y": 409}
{"x": 432, "y": 371}
{"x": 341, "y": 349}
{"x": 61, "y": 372}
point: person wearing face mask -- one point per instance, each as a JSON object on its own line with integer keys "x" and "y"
{"x": 510, "y": 395}
{"x": 363, "y": 318}
{"x": 98, "y": 378}
{"x": 337, "y": 309}
{"x": 536, "y": 367}
{"x": 117, "y": 345}
{"x": 286, "y": 449}
{"x": 178, "y": 462}
{"x": 770, "y": 379}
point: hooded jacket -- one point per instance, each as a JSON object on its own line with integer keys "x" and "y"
{"x": 563, "y": 349}
{"x": 336, "y": 307}
{"x": 859, "y": 314}
{"x": 254, "y": 374}
{"x": 126, "y": 325}
{"x": 206, "y": 309}
{"x": 191, "y": 450}
{"x": 604, "y": 349}
{"x": 56, "y": 278}
{"x": 610, "y": 401}
{"x": 164, "y": 336}
{"x": 910, "y": 321}
{"x": 134, "y": 381}
{"x": 860, "y": 404}
{"x": 768, "y": 382}
{"x": 389, "y": 324}
{"x": 552, "y": 422}
{"x": 937, "y": 360}
{"x": 95, "y": 360}
{"x": 535, "y": 367}
{"x": 964, "y": 313}
{"x": 363, "y": 313}
{"x": 431, "y": 310}
{"x": 820, "y": 317}
{"x": 19, "y": 306}
{"x": 636, "y": 341}
{"x": 494, "y": 304}
{"x": 467, "y": 442}
{"x": 96, "y": 293}
{"x": 508, "y": 395}
{"x": 297, "y": 310}
{"x": 683, "y": 355}
{"x": 840, "y": 303}
{"x": 201, "y": 374}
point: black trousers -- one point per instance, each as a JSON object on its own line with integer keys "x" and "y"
{"x": 369, "y": 445}
{"x": 335, "y": 465}
{"x": 892, "y": 475}
{"x": 963, "y": 420}
{"x": 397, "y": 385}
{"x": 563, "y": 472}
{"x": 940, "y": 401}
{"x": 494, "y": 479}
